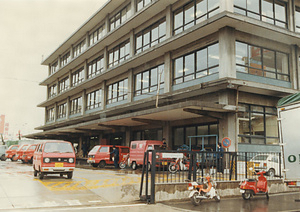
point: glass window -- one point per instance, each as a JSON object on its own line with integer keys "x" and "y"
{"x": 62, "y": 110}
{"x": 77, "y": 77}
{"x": 65, "y": 59}
{"x": 52, "y": 91}
{"x": 150, "y": 36}
{"x": 119, "y": 54}
{"x": 120, "y": 17}
{"x": 147, "y": 81}
{"x": 297, "y": 19}
{"x": 64, "y": 84}
{"x": 258, "y": 125}
{"x": 193, "y": 13}
{"x": 270, "y": 11}
{"x": 76, "y": 105}
{"x": 93, "y": 100}
{"x": 117, "y": 91}
{"x": 96, "y": 67}
{"x": 262, "y": 62}
{"x": 207, "y": 63}
{"x": 142, "y": 3}
{"x": 50, "y": 114}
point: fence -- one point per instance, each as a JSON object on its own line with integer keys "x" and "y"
{"x": 170, "y": 167}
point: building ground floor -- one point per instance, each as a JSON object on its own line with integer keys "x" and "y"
{"x": 245, "y": 114}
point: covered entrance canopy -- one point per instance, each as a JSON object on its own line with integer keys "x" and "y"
{"x": 153, "y": 116}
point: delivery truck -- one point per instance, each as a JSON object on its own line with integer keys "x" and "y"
{"x": 289, "y": 134}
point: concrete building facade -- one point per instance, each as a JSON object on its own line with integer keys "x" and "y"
{"x": 148, "y": 69}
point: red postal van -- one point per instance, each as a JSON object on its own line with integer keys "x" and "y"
{"x": 138, "y": 149}
{"x": 54, "y": 157}
{"x": 100, "y": 155}
{"x": 11, "y": 151}
{"x": 20, "y": 151}
{"x": 28, "y": 153}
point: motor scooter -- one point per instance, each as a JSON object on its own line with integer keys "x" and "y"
{"x": 124, "y": 162}
{"x": 179, "y": 164}
{"x": 198, "y": 192}
{"x": 252, "y": 187}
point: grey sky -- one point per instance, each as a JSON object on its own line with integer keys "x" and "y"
{"x": 30, "y": 30}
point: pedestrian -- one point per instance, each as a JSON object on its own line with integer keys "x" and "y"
{"x": 220, "y": 155}
{"x": 164, "y": 143}
{"x": 84, "y": 149}
{"x": 116, "y": 156}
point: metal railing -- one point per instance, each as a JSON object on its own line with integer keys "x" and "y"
{"x": 170, "y": 167}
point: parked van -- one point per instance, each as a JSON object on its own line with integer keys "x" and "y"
{"x": 28, "y": 153}
{"x": 138, "y": 149}
{"x": 100, "y": 155}
{"x": 11, "y": 151}
{"x": 19, "y": 153}
{"x": 54, "y": 157}
{"x": 2, "y": 152}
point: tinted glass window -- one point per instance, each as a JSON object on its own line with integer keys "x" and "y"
{"x": 57, "y": 147}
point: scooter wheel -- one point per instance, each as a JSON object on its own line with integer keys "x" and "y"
{"x": 196, "y": 201}
{"x": 246, "y": 195}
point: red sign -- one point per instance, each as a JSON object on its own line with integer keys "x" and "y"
{"x": 226, "y": 142}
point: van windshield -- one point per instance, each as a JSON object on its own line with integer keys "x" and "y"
{"x": 95, "y": 148}
{"x": 57, "y": 147}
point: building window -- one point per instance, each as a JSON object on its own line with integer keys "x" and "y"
{"x": 52, "y": 91}
{"x": 120, "y": 17}
{"x": 77, "y": 77}
{"x": 270, "y": 11}
{"x": 54, "y": 68}
{"x": 262, "y": 62}
{"x": 64, "y": 84}
{"x": 62, "y": 110}
{"x": 119, "y": 54}
{"x": 95, "y": 67}
{"x": 197, "y": 64}
{"x": 65, "y": 59}
{"x": 117, "y": 91}
{"x": 151, "y": 36}
{"x": 50, "y": 114}
{"x": 258, "y": 125}
{"x": 181, "y": 136}
{"x": 76, "y": 105}
{"x": 140, "y": 4}
{"x": 148, "y": 81}
{"x": 194, "y": 13}
{"x": 93, "y": 100}
{"x": 96, "y": 35}
{"x": 79, "y": 48}
{"x": 149, "y": 134}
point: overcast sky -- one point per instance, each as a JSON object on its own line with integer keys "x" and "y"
{"x": 29, "y": 31}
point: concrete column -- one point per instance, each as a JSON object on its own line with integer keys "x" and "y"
{"x": 132, "y": 43}
{"x": 226, "y": 5}
{"x": 227, "y": 53}
{"x": 58, "y": 62}
{"x": 83, "y": 102}
{"x": 68, "y": 108}
{"x": 105, "y": 59}
{"x": 70, "y": 79}
{"x": 168, "y": 73}
{"x": 133, "y": 7}
{"x": 169, "y": 22}
{"x": 72, "y": 52}
{"x": 55, "y": 112}
{"x": 167, "y": 133}
{"x": 49, "y": 69}
{"x": 57, "y": 86}
{"x": 45, "y": 121}
{"x": 291, "y": 15}
{"x": 128, "y": 136}
{"x": 130, "y": 86}
{"x": 85, "y": 69}
{"x": 87, "y": 40}
{"x": 106, "y": 24}
{"x": 294, "y": 70}
{"x": 104, "y": 95}
{"x": 227, "y": 128}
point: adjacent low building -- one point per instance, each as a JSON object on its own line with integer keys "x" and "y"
{"x": 148, "y": 69}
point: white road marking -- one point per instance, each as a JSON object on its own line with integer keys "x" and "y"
{"x": 97, "y": 207}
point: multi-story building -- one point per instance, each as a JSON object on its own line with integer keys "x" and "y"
{"x": 147, "y": 69}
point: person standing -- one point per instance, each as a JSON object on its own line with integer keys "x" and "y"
{"x": 220, "y": 154}
{"x": 116, "y": 156}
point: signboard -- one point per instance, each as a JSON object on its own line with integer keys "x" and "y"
{"x": 290, "y": 134}
{"x": 172, "y": 155}
{"x": 226, "y": 142}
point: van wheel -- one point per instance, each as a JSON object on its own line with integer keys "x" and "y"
{"x": 41, "y": 176}
{"x": 70, "y": 175}
{"x": 3, "y": 158}
{"x": 30, "y": 161}
{"x": 95, "y": 165}
{"x": 133, "y": 165}
{"x": 271, "y": 173}
{"x": 14, "y": 158}
{"x": 102, "y": 164}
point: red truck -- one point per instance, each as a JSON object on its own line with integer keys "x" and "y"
{"x": 138, "y": 149}
{"x": 100, "y": 155}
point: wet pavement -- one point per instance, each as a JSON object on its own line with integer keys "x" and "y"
{"x": 94, "y": 189}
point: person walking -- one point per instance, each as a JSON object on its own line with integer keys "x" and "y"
{"x": 116, "y": 156}
{"x": 220, "y": 151}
